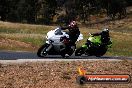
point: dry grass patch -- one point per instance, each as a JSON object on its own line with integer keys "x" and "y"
{"x": 7, "y": 27}
{"x": 10, "y": 25}
{"x": 6, "y": 43}
{"x": 19, "y": 35}
{"x": 121, "y": 44}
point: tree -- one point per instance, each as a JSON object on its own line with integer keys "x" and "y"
{"x": 47, "y": 10}
{"x": 85, "y": 8}
{"x": 115, "y": 8}
{"x": 32, "y": 8}
{"x": 129, "y": 2}
{"x": 12, "y": 11}
{"x": 3, "y": 9}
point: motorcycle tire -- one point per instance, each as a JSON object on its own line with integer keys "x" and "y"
{"x": 41, "y": 50}
{"x": 69, "y": 52}
{"x": 101, "y": 52}
{"x": 63, "y": 53}
{"x": 79, "y": 51}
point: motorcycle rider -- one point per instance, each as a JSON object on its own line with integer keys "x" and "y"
{"x": 73, "y": 32}
{"x": 73, "y": 35}
{"x": 105, "y": 38}
{"x": 97, "y": 44}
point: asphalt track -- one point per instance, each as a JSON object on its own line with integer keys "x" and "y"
{"x": 21, "y": 56}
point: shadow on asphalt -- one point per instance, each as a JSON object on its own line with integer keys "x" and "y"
{"x": 10, "y": 55}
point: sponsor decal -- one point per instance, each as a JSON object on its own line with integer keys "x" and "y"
{"x": 101, "y": 78}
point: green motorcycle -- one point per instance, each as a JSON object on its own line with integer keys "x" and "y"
{"x": 94, "y": 46}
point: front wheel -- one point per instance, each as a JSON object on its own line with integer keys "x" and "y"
{"x": 42, "y": 51}
{"x": 79, "y": 51}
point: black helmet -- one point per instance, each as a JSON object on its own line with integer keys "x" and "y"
{"x": 105, "y": 31}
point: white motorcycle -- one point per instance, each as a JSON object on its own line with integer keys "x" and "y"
{"x": 56, "y": 44}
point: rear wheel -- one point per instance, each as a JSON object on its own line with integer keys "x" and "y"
{"x": 101, "y": 52}
{"x": 79, "y": 51}
{"x": 71, "y": 50}
{"x": 66, "y": 52}
{"x": 63, "y": 53}
{"x": 42, "y": 50}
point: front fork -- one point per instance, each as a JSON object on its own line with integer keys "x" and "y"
{"x": 49, "y": 47}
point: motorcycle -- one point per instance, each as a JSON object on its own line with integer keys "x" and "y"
{"x": 56, "y": 42}
{"x": 94, "y": 47}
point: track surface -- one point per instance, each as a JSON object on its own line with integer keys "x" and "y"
{"x": 18, "y": 57}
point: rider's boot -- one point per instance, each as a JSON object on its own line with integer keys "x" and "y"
{"x": 72, "y": 47}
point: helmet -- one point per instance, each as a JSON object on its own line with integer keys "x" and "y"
{"x": 73, "y": 24}
{"x": 106, "y": 30}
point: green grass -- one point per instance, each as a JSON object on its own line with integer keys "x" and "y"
{"x": 33, "y": 41}
{"x": 23, "y": 31}
{"x": 120, "y": 50}
{"x": 122, "y": 45}
{"x": 16, "y": 48}
{"x": 19, "y": 41}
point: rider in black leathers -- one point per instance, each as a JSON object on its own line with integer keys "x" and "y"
{"x": 105, "y": 38}
{"x": 73, "y": 35}
{"x": 73, "y": 32}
